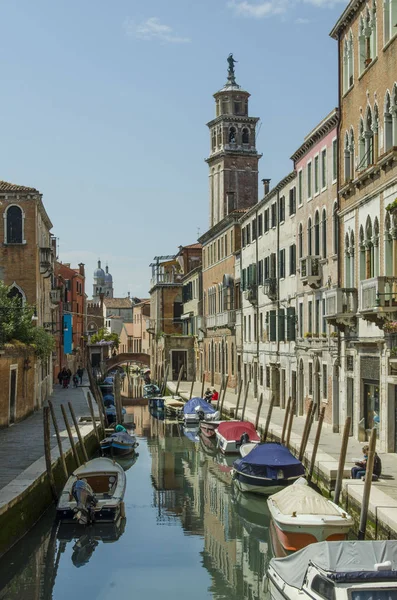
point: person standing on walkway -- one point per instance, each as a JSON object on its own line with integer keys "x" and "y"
{"x": 67, "y": 378}
{"x": 80, "y": 373}
{"x": 61, "y": 375}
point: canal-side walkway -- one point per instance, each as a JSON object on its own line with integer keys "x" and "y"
{"x": 383, "y": 500}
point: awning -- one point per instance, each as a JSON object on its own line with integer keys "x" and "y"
{"x": 186, "y": 315}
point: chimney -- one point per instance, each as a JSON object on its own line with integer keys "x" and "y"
{"x": 266, "y": 186}
{"x": 81, "y": 269}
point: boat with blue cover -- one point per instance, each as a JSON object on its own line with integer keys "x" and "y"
{"x": 267, "y": 469}
{"x": 198, "y": 409}
{"x": 119, "y": 443}
{"x": 111, "y": 413}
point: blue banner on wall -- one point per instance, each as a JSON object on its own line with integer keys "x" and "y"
{"x": 67, "y": 334}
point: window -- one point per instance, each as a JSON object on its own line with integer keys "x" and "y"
{"x": 14, "y": 225}
{"x": 367, "y": 38}
{"x": 254, "y": 230}
{"x": 300, "y": 187}
{"x": 226, "y": 249}
{"x": 261, "y": 375}
{"x": 272, "y": 326}
{"x": 274, "y": 214}
{"x": 245, "y": 329}
{"x": 309, "y": 180}
{"x": 232, "y": 359}
{"x": 324, "y": 233}
{"x": 301, "y": 319}
{"x": 324, "y": 319}
{"x": 291, "y": 324}
{"x": 324, "y": 168}
{"x": 316, "y": 175}
{"x": 282, "y": 264}
{"x": 309, "y": 316}
{"x": 300, "y": 240}
{"x": 266, "y": 220}
{"x": 310, "y": 379}
{"x": 309, "y": 236}
{"x": 260, "y": 225}
{"x": 335, "y": 228}
{"x": 246, "y": 136}
{"x": 261, "y": 327}
{"x": 348, "y": 70}
{"x": 323, "y": 588}
{"x": 282, "y": 209}
{"x": 388, "y": 121}
{"x": 292, "y": 259}
{"x": 248, "y": 234}
{"x": 334, "y": 160}
{"x": 292, "y": 201}
{"x": 317, "y": 234}
{"x": 232, "y": 135}
{"x": 389, "y": 19}
{"x": 268, "y": 377}
{"x": 249, "y": 328}
{"x": 260, "y": 272}
{"x": 281, "y": 325}
{"x": 317, "y": 317}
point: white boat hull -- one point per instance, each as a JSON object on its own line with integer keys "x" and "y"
{"x": 229, "y": 446}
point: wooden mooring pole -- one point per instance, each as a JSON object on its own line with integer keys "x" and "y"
{"x": 179, "y": 379}
{"x": 342, "y": 459}
{"x": 59, "y": 440}
{"x": 316, "y": 443}
{"x": 290, "y": 421}
{"x": 245, "y": 401}
{"x": 77, "y": 428}
{"x": 202, "y": 386}
{"x": 47, "y": 450}
{"x": 240, "y": 388}
{"x": 117, "y": 397}
{"x": 305, "y": 431}
{"x": 224, "y": 393}
{"x": 367, "y": 485}
{"x": 269, "y": 416}
{"x": 71, "y": 440}
{"x": 286, "y": 417}
{"x": 91, "y": 407}
{"x": 165, "y": 380}
{"x": 313, "y": 414}
{"x": 191, "y": 387}
{"x": 258, "y": 412}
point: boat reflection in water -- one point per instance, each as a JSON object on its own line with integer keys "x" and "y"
{"x": 88, "y": 539}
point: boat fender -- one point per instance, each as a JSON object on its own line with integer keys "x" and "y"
{"x": 233, "y": 474}
{"x": 122, "y": 510}
{"x": 265, "y": 583}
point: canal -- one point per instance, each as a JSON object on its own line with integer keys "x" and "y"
{"x": 186, "y": 532}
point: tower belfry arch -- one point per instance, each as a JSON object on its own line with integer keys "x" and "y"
{"x": 233, "y": 159}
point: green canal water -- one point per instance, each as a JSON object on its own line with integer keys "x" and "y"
{"x": 186, "y": 532}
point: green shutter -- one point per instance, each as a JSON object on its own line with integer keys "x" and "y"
{"x": 281, "y": 325}
{"x": 272, "y": 326}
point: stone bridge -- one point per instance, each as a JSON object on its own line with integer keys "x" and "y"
{"x": 125, "y": 357}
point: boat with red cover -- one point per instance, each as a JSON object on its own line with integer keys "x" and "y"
{"x": 232, "y": 434}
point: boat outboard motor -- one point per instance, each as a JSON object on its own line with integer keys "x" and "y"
{"x": 83, "y": 550}
{"x": 85, "y": 502}
{"x": 200, "y": 414}
{"x": 245, "y": 438}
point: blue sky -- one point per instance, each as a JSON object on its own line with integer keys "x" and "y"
{"x": 103, "y": 107}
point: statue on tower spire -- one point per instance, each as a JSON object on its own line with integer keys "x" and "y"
{"x": 231, "y": 76}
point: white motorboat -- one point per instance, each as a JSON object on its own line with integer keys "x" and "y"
{"x": 94, "y": 492}
{"x": 233, "y": 434}
{"x": 302, "y": 516}
{"x": 350, "y": 570}
{"x": 246, "y": 448}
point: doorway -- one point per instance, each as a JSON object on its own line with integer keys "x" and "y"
{"x": 179, "y": 360}
{"x": 13, "y": 394}
{"x": 350, "y": 403}
{"x": 371, "y": 406}
{"x": 317, "y": 387}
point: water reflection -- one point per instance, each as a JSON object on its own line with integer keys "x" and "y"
{"x": 186, "y": 528}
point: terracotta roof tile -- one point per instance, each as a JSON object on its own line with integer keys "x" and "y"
{"x": 12, "y": 187}
{"x": 117, "y": 302}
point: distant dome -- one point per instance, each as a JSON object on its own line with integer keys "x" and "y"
{"x": 108, "y": 277}
{"x": 99, "y": 273}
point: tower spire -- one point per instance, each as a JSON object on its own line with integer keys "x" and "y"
{"x": 231, "y": 75}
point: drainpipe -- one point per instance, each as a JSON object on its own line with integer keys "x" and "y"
{"x": 257, "y": 303}
{"x": 278, "y": 274}
{"x": 335, "y": 404}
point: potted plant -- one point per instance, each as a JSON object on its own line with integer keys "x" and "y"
{"x": 392, "y": 206}
{"x": 308, "y": 334}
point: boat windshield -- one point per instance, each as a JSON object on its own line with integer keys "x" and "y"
{"x": 374, "y": 594}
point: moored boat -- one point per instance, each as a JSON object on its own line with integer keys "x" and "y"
{"x": 119, "y": 443}
{"x": 303, "y": 516}
{"x": 208, "y": 428}
{"x": 350, "y": 570}
{"x": 267, "y": 469}
{"x": 94, "y": 492}
{"x": 232, "y": 434}
{"x": 197, "y": 409}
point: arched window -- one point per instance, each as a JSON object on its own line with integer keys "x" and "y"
{"x": 394, "y": 109}
{"x": 16, "y": 292}
{"x": 375, "y": 128}
{"x": 324, "y": 232}
{"x": 352, "y": 253}
{"x": 375, "y": 242}
{"x": 369, "y": 140}
{"x": 335, "y": 228}
{"x": 390, "y": 19}
{"x": 219, "y": 137}
{"x": 317, "y": 234}
{"x": 388, "y": 123}
{"x": 14, "y": 225}
{"x": 246, "y": 136}
{"x": 232, "y": 135}
{"x": 228, "y": 292}
{"x": 369, "y": 247}
{"x": 388, "y": 246}
{"x": 309, "y": 236}
{"x": 362, "y": 254}
{"x": 348, "y": 173}
{"x": 347, "y": 261}
{"x": 213, "y": 139}
{"x": 361, "y": 147}
{"x": 220, "y": 358}
{"x": 300, "y": 240}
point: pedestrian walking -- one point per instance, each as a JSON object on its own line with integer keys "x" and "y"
{"x": 67, "y": 379}
{"x": 75, "y": 380}
{"x": 80, "y": 373}
{"x": 61, "y": 375}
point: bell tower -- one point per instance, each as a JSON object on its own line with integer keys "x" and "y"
{"x": 233, "y": 159}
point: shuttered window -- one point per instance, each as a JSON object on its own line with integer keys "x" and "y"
{"x": 281, "y": 325}
{"x": 273, "y": 326}
{"x": 291, "y": 324}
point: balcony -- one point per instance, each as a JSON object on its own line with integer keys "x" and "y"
{"x": 166, "y": 279}
{"x": 55, "y": 296}
{"x": 223, "y": 319}
{"x": 252, "y": 294}
{"x": 378, "y": 299}
{"x": 311, "y": 271}
{"x": 46, "y": 260}
{"x": 341, "y": 305}
{"x": 270, "y": 288}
